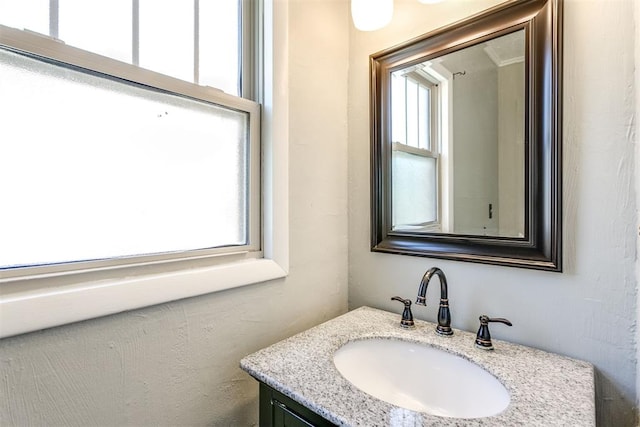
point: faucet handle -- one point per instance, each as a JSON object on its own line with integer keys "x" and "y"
{"x": 407, "y": 317}
{"x": 483, "y": 339}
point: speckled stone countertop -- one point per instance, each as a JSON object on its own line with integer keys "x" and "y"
{"x": 546, "y": 389}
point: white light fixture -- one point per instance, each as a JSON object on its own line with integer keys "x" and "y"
{"x": 369, "y": 15}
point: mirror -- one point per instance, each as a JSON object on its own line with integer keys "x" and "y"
{"x": 463, "y": 114}
{"x": 466, "y": 140}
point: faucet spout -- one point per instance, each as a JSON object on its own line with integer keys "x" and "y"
{"x": 444, "y": 315}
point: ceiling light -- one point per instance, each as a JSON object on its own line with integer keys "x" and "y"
{"x": 369, "y": 15}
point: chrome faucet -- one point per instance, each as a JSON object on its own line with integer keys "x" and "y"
{"x": 444, "y": 316}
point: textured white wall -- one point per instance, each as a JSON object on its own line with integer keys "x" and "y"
{"x": 590, "y": 310}
{"x": 177, "y": 363}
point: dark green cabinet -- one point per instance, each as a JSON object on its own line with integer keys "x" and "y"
{"x": 277, "y": 410}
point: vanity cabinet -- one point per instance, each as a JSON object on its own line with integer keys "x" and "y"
{"x": 278, "y": 410}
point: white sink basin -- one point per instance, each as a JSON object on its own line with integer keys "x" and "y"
{"x": 421, "y": 378}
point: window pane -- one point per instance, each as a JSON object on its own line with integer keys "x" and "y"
{"x": 170, "y": 176}
{"x": 398, "y": 109}
{"x": 412, "y": 113}
{"x": 100, "y": 26}
{"x": 219, "y": 37}
{"x": 167, "y": 37}
{"x": 414, "y": 189}
{"x": 25, "y": 14}
{"x": 424, "y": 122}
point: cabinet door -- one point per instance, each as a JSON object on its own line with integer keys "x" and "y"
{"x": 283, "y": 416}
{"x": 278, "y": 410}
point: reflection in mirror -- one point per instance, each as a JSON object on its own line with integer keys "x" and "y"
{"x": 458, "y": 141}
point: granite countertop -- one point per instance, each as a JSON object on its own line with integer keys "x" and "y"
{"x": 546, "y": 389}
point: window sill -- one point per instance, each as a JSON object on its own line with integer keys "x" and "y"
{"x": 27, "y": 311}
{"x": 27, "y": 307}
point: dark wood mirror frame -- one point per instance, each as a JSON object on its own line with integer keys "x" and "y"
{"x": 541, "y": 247}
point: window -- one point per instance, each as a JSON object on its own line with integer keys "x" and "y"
{"x": 415, "y": 159}
{"x": 124, "y": 165}
{"x": 148, "y": 161}
{"x": 202, "y": 46}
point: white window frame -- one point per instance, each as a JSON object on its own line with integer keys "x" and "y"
{"x": 421, "y": 78}
{"x": 444, "y": 78}
{"x": 32, "y": 303}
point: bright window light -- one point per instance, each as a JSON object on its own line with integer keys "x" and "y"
{"x": 32, "y": 15}
{"x": 90, "y": 25}
{"x": 164, "y": 46}
{"x": 92, "y": 168}
{"x": 185, "y": 39}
